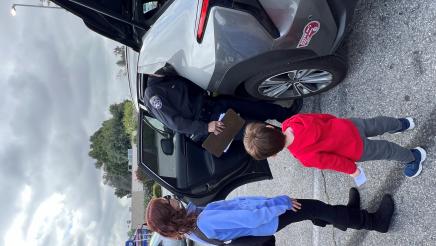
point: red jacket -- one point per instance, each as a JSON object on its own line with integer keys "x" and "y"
{"x": 325, "y": 142}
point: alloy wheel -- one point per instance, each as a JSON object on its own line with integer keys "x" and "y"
{"x": 295, "y": 83}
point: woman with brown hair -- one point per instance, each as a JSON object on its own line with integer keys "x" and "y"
{"x": 226, "y": 220}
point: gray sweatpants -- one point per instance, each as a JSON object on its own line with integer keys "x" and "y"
{"x": 381, "y": 149}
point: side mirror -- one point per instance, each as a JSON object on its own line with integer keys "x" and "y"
{"x": 167, "y": 146}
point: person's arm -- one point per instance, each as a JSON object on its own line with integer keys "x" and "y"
{"x": 322, "y": 160}
{"x": 248, "y": 212}
{"x": 164, "y": 108}
{"x": 295, "y": 205}
{"x": 189, "y": 126}
{"x": 171, "y": 117}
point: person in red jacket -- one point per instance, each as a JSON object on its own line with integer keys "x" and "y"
{"x": 324, "y": 141}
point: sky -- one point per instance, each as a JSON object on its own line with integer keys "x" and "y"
{"x": 57, "y": 81}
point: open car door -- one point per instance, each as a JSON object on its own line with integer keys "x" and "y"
{"x": 189, "y": 171}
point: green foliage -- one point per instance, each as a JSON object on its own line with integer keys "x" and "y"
{"x": 109, "y": 146}
{"x": 135, "y": 139}
{"x": 119, "y": 51}
{"x": 157, "y": 190}
{"x": 131, "y": 232}
{"x": 130, "y": 119}
{"x": 148, "y": 192}
{"x": 141, "y": 176}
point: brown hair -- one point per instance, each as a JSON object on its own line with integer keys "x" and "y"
{"x": 261, "y": 141}
{"x": 162, "y": 218}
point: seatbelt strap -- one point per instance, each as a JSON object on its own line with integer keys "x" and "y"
{"x": 203, "y": 237}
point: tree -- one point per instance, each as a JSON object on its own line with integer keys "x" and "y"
{"x": 131, "y": 232}
{"x": 109, "y": 145}
{"x": 121, "y": 63}
{"x": 130, "y": 119}
{"x": 141, "y": 176}
{"x": 120, "y": 51}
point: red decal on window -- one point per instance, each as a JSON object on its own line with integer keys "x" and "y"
{"x": 309, "y": 31}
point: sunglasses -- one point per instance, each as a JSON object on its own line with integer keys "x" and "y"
{"x": 170, "y": 198}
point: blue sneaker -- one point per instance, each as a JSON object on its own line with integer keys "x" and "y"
{"x": 414, "y": 168}
{"x": 406, "y": 124}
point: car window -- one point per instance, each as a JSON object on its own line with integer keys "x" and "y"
{"x": 146, "y": 11}
{"x": 155, "y": 123}
{"x": 146, "y": 7}
{"x": 152, "y": 155}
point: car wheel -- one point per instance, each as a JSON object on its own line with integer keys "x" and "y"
{"x": 295, "y": 80}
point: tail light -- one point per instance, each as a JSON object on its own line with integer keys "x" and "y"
{"x": 202, "y": 20}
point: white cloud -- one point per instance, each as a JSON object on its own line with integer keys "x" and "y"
{"x": 44, "y": 219}
{"x": 15, "y": 235}
{"x": 26, "y": 195}
{"x": 57, "y": 80}
{"x": 7, "y": 69}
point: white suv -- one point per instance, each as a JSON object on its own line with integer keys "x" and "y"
{"x": 264, "y": 49}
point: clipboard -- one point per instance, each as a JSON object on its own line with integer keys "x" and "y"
{"x": 216, "y": 144}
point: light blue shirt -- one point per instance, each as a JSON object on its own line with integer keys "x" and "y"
{"x": 191, "y": 208}
{"x": 244, "y": 216}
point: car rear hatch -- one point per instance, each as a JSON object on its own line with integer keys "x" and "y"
{"x": 125, "y": 21}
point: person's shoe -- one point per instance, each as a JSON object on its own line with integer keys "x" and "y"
{"x": 296, "y": 107}
{"x": 406, "y": 124}
{"x": 354, "y": 198}
{"x": 414, "y": 168}
{"x": 383, "y": 215}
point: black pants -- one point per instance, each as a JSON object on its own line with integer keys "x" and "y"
{"x": 318, "y": 212}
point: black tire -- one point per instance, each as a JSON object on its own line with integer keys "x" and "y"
{"x": 333, "y": 68}
{"x": 342, "y": 51}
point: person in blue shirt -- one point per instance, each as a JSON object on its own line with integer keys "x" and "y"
{"x": 227, "y": 220}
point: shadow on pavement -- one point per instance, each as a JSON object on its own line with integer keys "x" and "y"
{"x": 395, "y": 179}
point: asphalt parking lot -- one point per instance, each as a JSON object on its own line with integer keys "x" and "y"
{"x": 392, "y": 72}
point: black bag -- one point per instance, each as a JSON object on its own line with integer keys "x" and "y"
{"x": 242, "y": 241}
